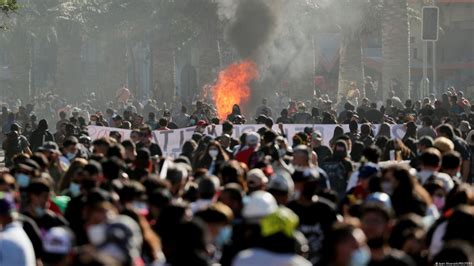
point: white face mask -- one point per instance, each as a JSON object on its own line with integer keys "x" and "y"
{"x": 213, "y": 153}
{"x": 96, "y": 233}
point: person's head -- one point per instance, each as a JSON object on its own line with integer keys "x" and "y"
{"x": 353, "y": 126}
{"x": 208, "y": 187}
{"x": 340, "y": 149}
{"x": 385, "y": 130}
{"x": 224, "y": 140}
{"x": 345, "y": 244}
{"x": 70, "y": 147}
{"x": 43, "y": 125}
{"x": 163, "y": 122}
{"x": 445, "y": 130}
{"x": 214, "y": 150}
{"x": 151, "y": 116}
{"x": 145, "y": 134}
{"x": 372, "y": 154}
{"x": 365, "y": 129}
{"x": 135, "y": 136}
{"x": 264, "y": 101}
{"x": 62, "y": 115}
{"x": 301, "y": 156}
{"x": 8, "y": 210}
{"x": 58, "y": 245}
{"x": 424, "y": 143}
{"x": 443, "y": 144}
{"x": 427, "y": 121}
{"x": 256, "y": 180}
{"x": 232, "y": 196}
{"x": 376, "y": 220}
{"x": 252, "y": 139}
{"x": 38, "y": 195}
{"x": 130, "y": 150}
{"x": 451, "y": 163}
{"x": 430, "y": 159}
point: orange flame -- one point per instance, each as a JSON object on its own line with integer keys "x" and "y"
{"x": 232, "y": 86}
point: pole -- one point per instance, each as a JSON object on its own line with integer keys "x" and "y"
{"x": 435, "y": 89}
{"x": 424, "y": 89}
{"x": 433, "y": 65}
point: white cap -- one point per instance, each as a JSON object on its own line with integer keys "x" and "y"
{"x": 257, "y": 177}
{"x": 259, "y": 204}
{"x": 57, "y": 240}
{"x": 253, "y": 138}
{"x": 282, "y": 181}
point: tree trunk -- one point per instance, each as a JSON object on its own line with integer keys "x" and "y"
{"x": 396, "y": 48}
{"x": 351, "y": 67}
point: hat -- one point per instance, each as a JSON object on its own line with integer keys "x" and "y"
{"x": 123, "y": 232}
{"x": 464, "y": 126}
{"x": 367, "y": 171}
{"x": 15, "y": 127}
{"x": 259, "y": 204}
{"x": 256, "y": 177}
{"x": 57, "y": 240}
{"x": 49, "y": 146}
{"x": 281, "y": 182}
{"x": 470, "y": 138}
{"x": 201, "y": 123}
{"x": 7, "y": 204}
{"x": 252, "y": 138}
{"x": 379, "y": 197}
{"x": 317, "y": 136}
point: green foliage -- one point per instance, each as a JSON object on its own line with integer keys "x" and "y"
{"x": 8, "y": 6}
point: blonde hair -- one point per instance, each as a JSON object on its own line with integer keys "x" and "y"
{"x": 443, "y": 144}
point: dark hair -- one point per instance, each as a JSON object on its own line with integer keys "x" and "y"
{"x": 447, "y": 130}
{"x": 372, "y": 153}
{"x": 357, "y": 150}
{"x": 451, "y": 160}
{"x": 70, "y": 141}
{"x": 430, "y": 157}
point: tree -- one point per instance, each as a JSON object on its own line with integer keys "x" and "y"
{"x": 396, "y": 48}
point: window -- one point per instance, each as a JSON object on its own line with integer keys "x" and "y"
{"x": 412, "y": 39}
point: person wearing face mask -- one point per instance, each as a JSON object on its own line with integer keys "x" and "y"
{"x": 338, "y": 167}
{"x": 377, "y": 220}
{"x": 212, "y": 158}
{"x": 345, "y": 245}
{"x": 70, "y": 150}
{"x": 37, "y": 206}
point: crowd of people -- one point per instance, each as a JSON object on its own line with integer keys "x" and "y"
{"x": 260, "y": 198}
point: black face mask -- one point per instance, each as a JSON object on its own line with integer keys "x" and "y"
{"x": 376, "y": 242}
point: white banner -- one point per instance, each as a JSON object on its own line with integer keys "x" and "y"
{"x": 171, "y": 141}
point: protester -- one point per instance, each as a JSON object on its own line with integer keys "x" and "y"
{"x": 181, "y": 188}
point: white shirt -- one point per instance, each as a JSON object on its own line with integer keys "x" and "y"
{"x": 256, "y": 256}
{"x": 424, "y": 175}
{"x": 15, "y": 246}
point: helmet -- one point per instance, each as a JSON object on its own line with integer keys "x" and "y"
{"x": 259, "y": 204}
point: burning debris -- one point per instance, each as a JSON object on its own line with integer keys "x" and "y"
{"x": 232, "y": 86}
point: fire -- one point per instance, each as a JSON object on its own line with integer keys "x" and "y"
{"x": 232, "y": 86}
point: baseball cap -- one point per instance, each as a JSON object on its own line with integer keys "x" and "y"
{"x": 58, "y": 240}
{"x": 464, "y": 126}
{"x": 256, "y": 177}
{"x": 201, "y": 123}
{"x": 252, "y": 138}
{"x": 7, "y": 203}
{"x": 281, "y": 181}
{"x": 259, "y": 204}
{"x": 470, "y": 138}
{"x": 379, "y": 197}
{"x": 367, "y": 171}
{"x": 317, "y": 136}
{"x": 49, "y": 146}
